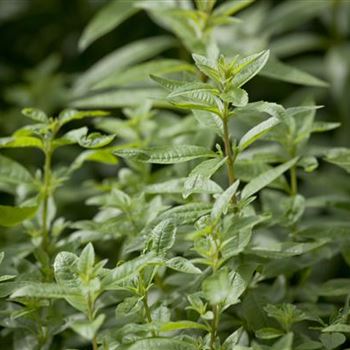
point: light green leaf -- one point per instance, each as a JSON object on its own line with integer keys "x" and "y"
{"x": 12, "y": 216}
{"x": 123, "y": 57}
{"x": 285, "y": 343}
{"x": 168, "y": 83}
{"x": 142, "y": 72}
{"x": 210, "y": 120}
{"x": 99, "y": 156}
{"x": 44, "y": 291}
{"x": 183, "y": 265}
{"x": 237, "y": 96}
{"x": 35, "y": 114}
{"x": 278, "y": 70}
{"x": 160, "y": 344}
{"x": 199, "y": 184}
{"x": 340, "y": 157}
{"x": 332, "y": 340}
{"x": 266, "y": 178}
{"x": 248, "y": 67}
{"x": 86, "y": 260}
{"x": 120, "y": 98}
{"x": 269, "y": 333}
{"x": 87, "y": 329}
{"x": 207, "y": 67}
{"x": 163, "y": 237}
{"x": 335, "y": 287}
{"x": 95, "y": 140}
{"x": 166, "y": 154}
{"x": 229, "y": 8}
{"x": 257, "y": 132}
{"x": 337, "y": 327}
{"x": 173, "y": 326}
{"x": 222, "y": 202}
{"x": 13, "y": 172}
{"x": 21, "y": 141}
{"x": 108, "y": 18}
{"x": 69, "y": 115}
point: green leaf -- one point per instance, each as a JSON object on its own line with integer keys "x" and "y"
{"x": 86, "y": 260}
{"x": 196, "y": 96}
{"x": 116, "y": 277}
{"x": 123, "y": 57}
{"x": 237, "y": 96}
{"x": 44, "y": 291}
{"x": 269, "y": 333}
{"x": 337, "y": 327}
{"x": 222, "y": 202}
{"x": 168, "y": 84}
{"x": 142, "y": 72}
{"x": 108, "y": 18}
{"x": 207, "y": 67}
{"x": 165, "y": 154}
{"x": 12, "y": 216}
{"x": 95, "y": 140}
{"x": 21, "y": 141}
{"x": 285, "y": 343}
{"x": 119, "y": 98}
{"x": 163, "y": 237}
{"x": 173, "y": 326}
{"x": 266, "y": 178}
{"x": 248, "y": 67}
{"x": 340, "y": 157}
{"x": 99, "y": 156}
{"x": 257, "y": 132}
{"x": 277, "y": 70}
{"x": 35, "y": 114}
{"x": 160, "y": 344}
{"x": 183, "y": 265}
{"x": 332, "y": 340}
{"x": 69, "y": 115}
{"x": 199, "y": 184}
{"x": 13, "y": 172}
{"x": 87, "y": 329}
{"x": 335, "y": 287}
{"x": 229, "y": 8}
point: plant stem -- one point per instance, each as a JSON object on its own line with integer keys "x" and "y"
{"x": 228, "y": 147}
{"x": 90, "y": 309}
{"x": 293, "y": 181}
{"x": 46, "y": 196}
{"x": 214, "y": 327}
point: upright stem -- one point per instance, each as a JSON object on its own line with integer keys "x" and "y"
{"x": 46, "y": 196}
{"x": 228, "y": 147}
{"x": 214, "y": 327}
{"x": 90, "y": 307}
{"x": 293, "y": 181}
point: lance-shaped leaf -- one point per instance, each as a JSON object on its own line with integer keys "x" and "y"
{"x": 116, "y": 277}
{"x": 222, "y": 202}
{"x": 142, "y": 72}
{"x": 277, "y": 70}
{"x": 229, "y": 8}
{"x": 35, "y": 114}
{"x": 163, "y": 237}
{"x": 95, "y": 140}
{"x": 266, "y": 178}
{"x": 207, "y": 67}
{"x": 168, "y": 84}
{"x": 197, "y": 96}
{"x": 257, "y": 132}
{"x": 340, "y": 157}
{"x": 183, "y": 265}
{"x": 45, "y": 291}
{"x": 125, "y": 56}
{"x": 108, "y": 18}
{"x": 165, "y": 154}
{"x": 248, "y": 67}
{"x": 199, "y": 184}
{"x": 87, "y": 329}
{"x": 236, "y": 96}
{"x": 69, "y": 115}
{"x": 173, "y": 326}
{"x": 12, "y": 216}
{"x": 13, "y": 172}
{"x": 160, "y": 344}
{"x": 21, "y": 141}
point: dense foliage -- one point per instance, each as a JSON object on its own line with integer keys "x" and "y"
{"x": 175, "y": 202}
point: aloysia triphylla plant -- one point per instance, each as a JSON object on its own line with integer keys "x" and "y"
{"x": 213, "y": 244}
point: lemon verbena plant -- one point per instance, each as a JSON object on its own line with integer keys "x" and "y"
{"x": 204, "y": 226}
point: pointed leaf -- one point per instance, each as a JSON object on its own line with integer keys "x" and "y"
{"x": 12, "y": 216}
{"x": 183, "y": 265}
